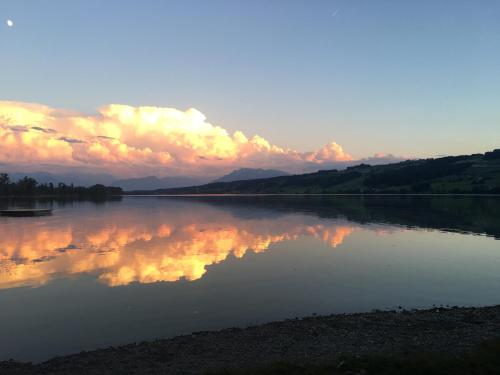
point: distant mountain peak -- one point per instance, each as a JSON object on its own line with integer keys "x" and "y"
{"x": 251, "y": 174}
{"x": 153, "y": 182}
{"x": 462, "y": 174}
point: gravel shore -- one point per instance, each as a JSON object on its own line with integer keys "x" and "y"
{"x": 313, "y": 339}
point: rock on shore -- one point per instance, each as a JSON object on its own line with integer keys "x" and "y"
{"x": 312, "y": 339}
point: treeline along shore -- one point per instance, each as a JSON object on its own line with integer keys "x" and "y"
{"x": 29, "y": 187}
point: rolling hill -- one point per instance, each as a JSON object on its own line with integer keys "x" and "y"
{"x": 153, "y": 182}
{"x": 251, "y": 174}
{"x": 477, "y": 173}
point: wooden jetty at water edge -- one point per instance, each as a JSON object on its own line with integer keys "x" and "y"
{"x": 23, "y": 212}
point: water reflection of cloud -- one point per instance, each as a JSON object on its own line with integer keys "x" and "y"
{"x": 145, "y": 245}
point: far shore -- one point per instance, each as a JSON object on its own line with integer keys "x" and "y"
{"x": 131, "y": 194}
{"x": 153, "y": 194}
{"x": 313, "y": 340}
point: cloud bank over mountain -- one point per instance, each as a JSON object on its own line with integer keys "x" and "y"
{"x": 137, "y": 141}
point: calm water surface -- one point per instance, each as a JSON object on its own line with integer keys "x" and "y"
{"x": 94, "y": 275}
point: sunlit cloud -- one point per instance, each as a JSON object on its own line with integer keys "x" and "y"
{"x": 127, "y": 140}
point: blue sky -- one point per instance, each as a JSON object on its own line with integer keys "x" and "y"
{"x": 415, "y": 78}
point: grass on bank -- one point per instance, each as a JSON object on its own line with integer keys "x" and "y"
{"x": 484, "y": 360}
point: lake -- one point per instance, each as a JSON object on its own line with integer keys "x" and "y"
{"x": 109, "y": 273}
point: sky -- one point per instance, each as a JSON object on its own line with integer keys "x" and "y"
{"x": 316, "y": 81}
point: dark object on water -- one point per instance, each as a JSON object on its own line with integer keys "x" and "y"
{"x": 22, "y": 212}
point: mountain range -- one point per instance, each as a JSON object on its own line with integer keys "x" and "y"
{"x": 152, "y": 182}
{"x": 477, "y": 173}
{"x": 251, "y": 174}
{"x": 144, "y": 183}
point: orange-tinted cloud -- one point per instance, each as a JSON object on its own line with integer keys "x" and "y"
{"x": 137, "y": 140}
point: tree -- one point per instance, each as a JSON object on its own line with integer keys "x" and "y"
{"x": 30, "y": 187}
{"x": 4, "y": 179}
{"x": 495, "y": 154}
{"x": 26, "y": 186}
{"x": 4, "y": 184}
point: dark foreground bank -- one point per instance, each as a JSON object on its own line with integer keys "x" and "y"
{"x": 424, "y": 341}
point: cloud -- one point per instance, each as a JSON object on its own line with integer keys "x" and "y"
{"x": 44, "y": 130}
{"x": 70, "y": 140}
{"x": 135, "y": 141}
{"x": 330, "y": 152}
{"x": 19, "y": 128}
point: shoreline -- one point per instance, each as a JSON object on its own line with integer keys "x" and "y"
{"x": 133, "y": 194}
{"x": 194, "y": 195}
{"x": 314, "y": 339}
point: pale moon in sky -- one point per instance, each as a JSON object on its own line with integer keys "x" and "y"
{"x": 10, "y": 23}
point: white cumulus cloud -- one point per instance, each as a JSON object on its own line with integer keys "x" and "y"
{"x": 135, "y": 141}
